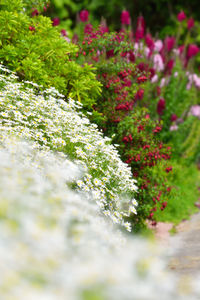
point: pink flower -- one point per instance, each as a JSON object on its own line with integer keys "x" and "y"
{"x": 181, "y": 16}
{"x": 158, "y": 62}
{"x": 158, "y": 45}
{"x": 170, "y": 42}
{"x": 161, "y": 106}
{"x": 125, "y": 17}
{"x": 84, "y": 14}
{"x": 56, "y": 21}
{"x": 192, "y": 50}
{"x": 190, "y": 23}
{"x": 173, "y": 127}
{"x": 154, "y": 78}
{"x": 195, "y": 111}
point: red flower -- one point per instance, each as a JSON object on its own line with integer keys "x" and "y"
{"x": 35, "y": 12}
{"x": 31, "y": 28}
{"x": 141, "y": 79}
{"x": 157, "y": 129}
{"x": 56, "y": 21}
{"x": 140, "y": 128}
{"x": 161, "y": 106}
{"x": 84, "y": 14}
{"x": 168, "y": 169}
{"x": 192, "y": 50}
{"x": 190, "y": 23}
{"x": 181, "y": 16}
{"x": 125, "y": 17}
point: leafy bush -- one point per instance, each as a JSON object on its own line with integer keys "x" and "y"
{"x": 35, "y": 50}
{"x": 47, "y": 119}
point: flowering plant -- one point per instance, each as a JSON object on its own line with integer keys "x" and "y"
{"x": 53, "y": 123}
{"x": 53, "y": 238}
{"x": 123, "y": 86}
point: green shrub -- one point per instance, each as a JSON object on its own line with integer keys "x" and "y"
{"x": 35, "y": 50}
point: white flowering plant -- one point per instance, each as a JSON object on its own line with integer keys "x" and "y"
{"x": 44, "y": 117}
{"x": 55, "y": 243}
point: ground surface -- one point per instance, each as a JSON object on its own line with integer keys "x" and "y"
{"x": 183, "y": 247}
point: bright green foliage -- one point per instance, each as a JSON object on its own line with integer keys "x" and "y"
{"x": 183, "y": 196}
{"x": 186, "y": 140}
{"x": 35, "y": 50}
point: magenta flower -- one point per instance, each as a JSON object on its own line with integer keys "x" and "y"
{"x": 161, "y": 106}
{"x": 173, "y": 117}
{"x": 35, "y": 12}
{"x": 125, "y": 17}
{"x": 181, "y": 48}
{"x": 84, "y": 14}
{"x": 170, "y": 42}
{"x": 110, "y": 53}
{"x": 169, "y": 66}
{"x": 63, "y": 32}
{"x": 140, "y": 30}
{"x": 181, "y": 16}
{"x": 104, "y": 28}
{"x": 190, "y": 23}
{"x": 149, "y": 41}
{"x": 192, "y": 50}
{"x": 88, "y": 29}
{"x": 131, "y": 56}
{"x": 56, "y": 21}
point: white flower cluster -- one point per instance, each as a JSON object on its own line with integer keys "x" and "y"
{"x": 52, "y": 123}
{"x": 55, "y": 244}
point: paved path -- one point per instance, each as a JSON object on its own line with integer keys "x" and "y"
{"x": 184, "y": 247}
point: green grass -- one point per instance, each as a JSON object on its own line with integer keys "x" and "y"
{"x": 185, "y": 181}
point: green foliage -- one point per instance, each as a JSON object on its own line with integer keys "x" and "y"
{"x": 184, "y": 194}
{"x": 35, "y": 50}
